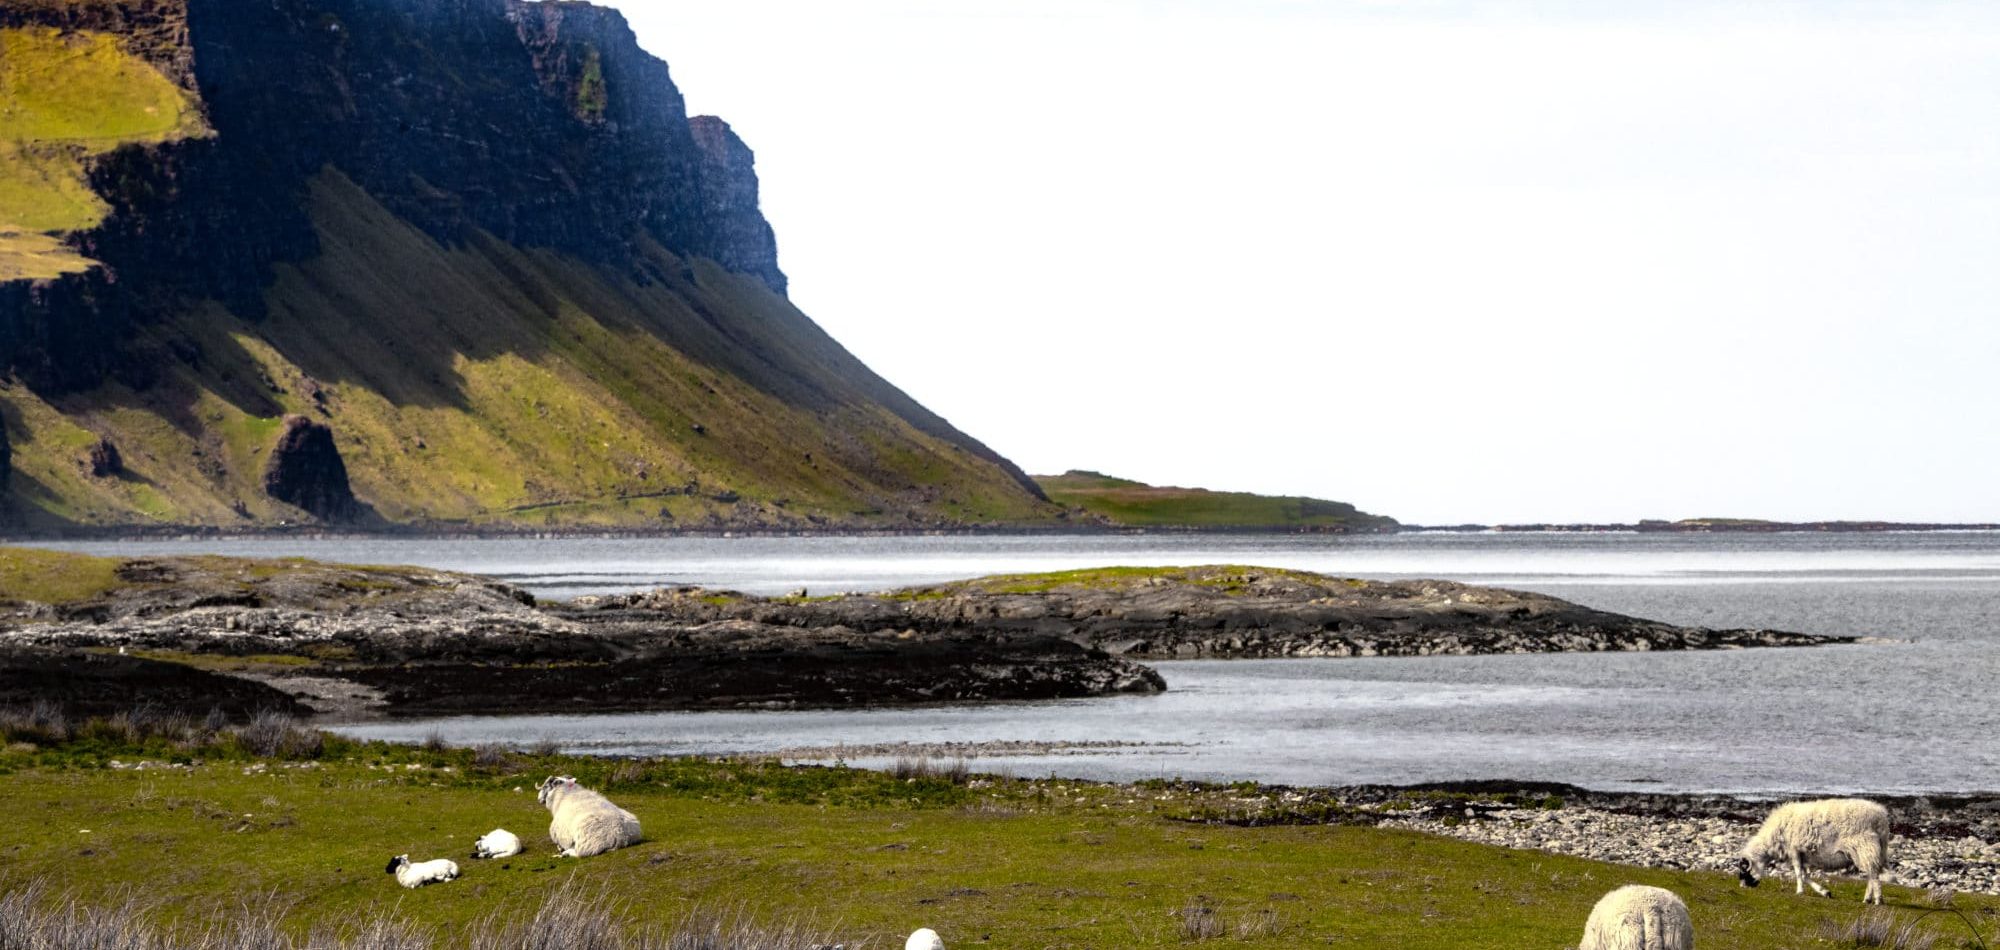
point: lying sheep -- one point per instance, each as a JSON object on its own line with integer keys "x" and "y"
{"x": 585, "y": 823}
{"x": 498, "y": 843}
{"x": 1831, "y": 834}
{"x": 924, "y": 939}
{"x": 422, "y": 872}
{"x": 1638, "y": 917}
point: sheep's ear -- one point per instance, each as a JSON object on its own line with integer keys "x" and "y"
{"x": 569, "y": 781}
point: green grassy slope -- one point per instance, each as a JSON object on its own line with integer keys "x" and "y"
{"x": 1137, "y": 504}
{"x": 1014, "y": 864}
{"x": 65, "y": 98}
{"x": 485, "y": 384}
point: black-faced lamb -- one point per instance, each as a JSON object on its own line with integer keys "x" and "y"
{"x": 498, "y": 843}
{"x": 584, "y": 823}
{"x": 1831, "y": 834}
{"x": 1639, "y": 917}
{"x": 421, "y": 873}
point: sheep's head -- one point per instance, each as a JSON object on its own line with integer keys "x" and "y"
{"x": 549, "y": 786}
{"x": 1748, "y": 867}
{"x": 396, "y": 862}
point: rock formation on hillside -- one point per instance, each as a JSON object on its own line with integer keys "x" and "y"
{"x": 306, "y": 471}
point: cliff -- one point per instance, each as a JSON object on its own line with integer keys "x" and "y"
{"x": 478, "y": 242}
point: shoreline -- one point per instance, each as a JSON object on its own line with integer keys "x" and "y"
{"x": 187, "y": 533}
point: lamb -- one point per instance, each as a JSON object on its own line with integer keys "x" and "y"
{"x": 924, "y": 939}
{"x": 1639, "y": 917}
{"x": 1831, "y": 834}
{"x": 585, "y": 822}
{"x": 421, "y": 872}
{"x": 498, "y": 843}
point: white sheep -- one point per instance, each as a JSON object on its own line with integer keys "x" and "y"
{"x": 498, "y": 843}
{"x": 1831, "y": 834}
{"x": 924, "y": 939}
{"x": 1639, "y": 917}
{"x": 422, "y": 872}
{"x": 585, "y": 823}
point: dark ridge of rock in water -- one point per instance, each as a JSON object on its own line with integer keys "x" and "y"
{"x": 1223, "y": 612}
{"x": 306, "y": 471}
{"x": 84, "y": 684}
{"x": 103, "y": 460}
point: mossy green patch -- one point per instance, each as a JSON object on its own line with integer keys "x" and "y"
{"x": 1225, "y": 577}
{"x": 65, "y": 98}
{"x": 54, "y": 577}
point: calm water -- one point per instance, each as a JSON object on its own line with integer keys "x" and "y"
{"x": 1912, "y": 716}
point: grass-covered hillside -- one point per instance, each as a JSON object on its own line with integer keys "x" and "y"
{"x": 300, "y": 828}
{"x": 66, "y": 98}
{"x": 480, "y": 244}
{"x": 1121, "y": 501}
{"x": 487, "y": 385}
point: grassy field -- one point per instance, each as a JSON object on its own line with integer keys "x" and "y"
{"x": 1137, "y": 504}
{"x": 65, "y": 98}
{"x": 992, "y": 862}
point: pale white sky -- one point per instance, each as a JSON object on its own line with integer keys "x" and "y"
{"x": 1447, "y": 261}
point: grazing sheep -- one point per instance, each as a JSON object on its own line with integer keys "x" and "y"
{"x": 1638, "y": 917}
{"x": 585, "y": 823}
{"x": 498, "y": 843}
{"x": 924, "y": 939}
{"x": 1831, "y": 834}
{"x": 422, "y": 872}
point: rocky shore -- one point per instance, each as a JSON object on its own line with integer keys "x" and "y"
{"x": 354, "y": 642}
{"x": 1947, "y": 843}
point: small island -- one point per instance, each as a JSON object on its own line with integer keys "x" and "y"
{"x": 350, "y": 642}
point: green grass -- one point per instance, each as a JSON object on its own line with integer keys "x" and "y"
{"x": 1226, "y": 577}
{"x": 54, "y": 577}
{"x": 1136, "y": 504}
{"x": 1013, "y": 864}
{"x": 65, "y": 98}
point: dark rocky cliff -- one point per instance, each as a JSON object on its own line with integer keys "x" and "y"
{"x": 543, "y": 124}
{"x": 550, "y": 163}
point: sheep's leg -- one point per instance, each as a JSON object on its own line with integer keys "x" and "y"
{"x": 1804, "y": 880}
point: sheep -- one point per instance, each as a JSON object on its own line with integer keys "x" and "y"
{"x": 1827, "y": 835}
{"x": 498, "y": 843}
{"x": 924, "y": 939}
{"x": 422, "y": 872}
{"x": 585, "y": 823}
{"x": 1639, "y": 917}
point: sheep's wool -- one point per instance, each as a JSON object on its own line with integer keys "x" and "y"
{"x": 1638, "y": 917}
{"x": 585, "y": 823}
{"x": 924, "y": 939}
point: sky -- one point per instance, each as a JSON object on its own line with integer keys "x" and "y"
{"x": 1450, "y": 262}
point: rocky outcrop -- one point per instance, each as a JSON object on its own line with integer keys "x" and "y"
{"x": 306, "y": 471}
{"x": 433, "y": 642}
{"x": 741, "y": 239}
{"x": 103, "y": 460}
{"x": 1224, "y": 612}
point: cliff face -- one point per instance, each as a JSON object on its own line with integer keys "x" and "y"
{"x": 484, "y": 197}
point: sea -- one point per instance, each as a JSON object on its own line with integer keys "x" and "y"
{"x": 1913, "y": 710}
